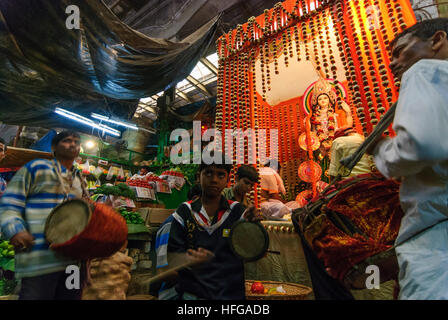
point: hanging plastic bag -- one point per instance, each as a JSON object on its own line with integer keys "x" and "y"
{"x": 120, "y": 173}
{"x": 86, "y": 167}
{"x": 110, "y": 174}
{"x": 97, "y": 172}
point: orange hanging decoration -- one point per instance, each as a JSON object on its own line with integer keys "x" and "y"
{"x": 310, "y": 171}
{"x": 309, "y": 149}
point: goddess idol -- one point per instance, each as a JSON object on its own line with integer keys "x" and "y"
{"x": 326, "y": 116}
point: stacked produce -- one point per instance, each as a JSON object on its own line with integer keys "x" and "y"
{"x": 172, "y": 173}
{"x": 7, "y": 268}
{"x": 153, "y": 178}
{"x": 257, "y": 287}
{"x": 6, "y": 249}
{"x": 139, "y": 183}
{"x": 110, "y": 278}
{"x": 119, "y": 190}
{"x": 131, "y": 217}
{"x": 7, "y": 286}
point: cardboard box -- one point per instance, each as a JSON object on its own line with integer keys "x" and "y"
{"x": 155, "y": 216}
{"x": 145, "y": 204}
{"x": 143, "y": 213}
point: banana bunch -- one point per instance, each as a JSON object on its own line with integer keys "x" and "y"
{"x": 6, "y": 249}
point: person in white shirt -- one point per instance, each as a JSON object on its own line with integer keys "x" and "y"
{"x": 271, "y": 183}
{"x": 141, "y": 174}
{"x": 346, "y": 142}
{"x": 418, "y": 155}
{"x": 272, "y": 187}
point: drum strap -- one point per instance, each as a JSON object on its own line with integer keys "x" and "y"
{"x": 64, "y": 186}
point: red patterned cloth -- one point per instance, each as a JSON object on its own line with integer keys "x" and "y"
{"x": 372, "y": 204}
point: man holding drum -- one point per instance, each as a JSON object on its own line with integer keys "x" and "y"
{"x": 35, "y": 190}
{"x": 418, "y": 154}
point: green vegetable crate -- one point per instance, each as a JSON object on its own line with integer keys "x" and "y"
{"x": 136, "y": 225}
{"x": 7, "y": 263}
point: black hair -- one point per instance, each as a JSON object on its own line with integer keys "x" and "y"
{"x": 424, "y": 29}
{"x": 3, "y": 143}
{"x": 329, "y": 99}
{"x": 223, "y": 162}
{"x": 62, "y": 135}
{"x": 249, "y": 172}
{"x": 194, "y": 191}
{"x": 145, "y": 167}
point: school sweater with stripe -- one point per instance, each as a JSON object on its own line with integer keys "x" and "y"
{"x": 28, "y": 200}
{"x": 222, "y": 278}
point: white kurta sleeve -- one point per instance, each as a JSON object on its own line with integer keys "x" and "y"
{"x": 421, "y": 122}
{"x": 335, "y": 153}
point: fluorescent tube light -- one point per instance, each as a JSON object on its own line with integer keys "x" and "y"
{"x": 87, "y": 121}
{"x": 107, "y": 119}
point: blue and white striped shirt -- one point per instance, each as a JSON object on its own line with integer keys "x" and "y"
{"x": 28, "y": 200}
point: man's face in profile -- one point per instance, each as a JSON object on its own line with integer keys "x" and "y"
{"x": 407, "y": 51}
{"x": 2, "y": 151}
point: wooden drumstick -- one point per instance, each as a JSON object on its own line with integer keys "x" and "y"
{"x": 167, "y": 273}
{"x": 170, "y": 271}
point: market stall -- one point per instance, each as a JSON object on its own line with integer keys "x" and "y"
{"x": 163, "y": 184}
{"x": 136, "y": 198}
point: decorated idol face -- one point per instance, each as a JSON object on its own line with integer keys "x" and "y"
{"x": 323, "y": 101}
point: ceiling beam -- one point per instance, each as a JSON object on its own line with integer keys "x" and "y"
{"x": 154, "y": 106}
{"x": 199, "y": 85}
{"x": 113, "y": 5}
{"x": 146, "y": 108}
{"x": 209, "y": 65}
{"x": 184, "y": 96}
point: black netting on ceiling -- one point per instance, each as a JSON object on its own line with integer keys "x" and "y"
{"x": 103, "y": 67}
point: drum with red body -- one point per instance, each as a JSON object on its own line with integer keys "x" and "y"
{"x": 85, "y": 230}
{"x": 353, "y": 224}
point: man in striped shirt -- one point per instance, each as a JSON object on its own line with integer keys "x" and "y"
{"x": 31, "y": 195}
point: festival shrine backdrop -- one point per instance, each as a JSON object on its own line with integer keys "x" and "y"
{"x": 272, "y": 69}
